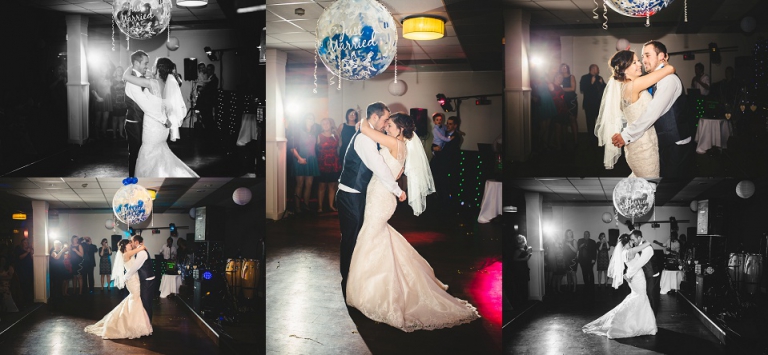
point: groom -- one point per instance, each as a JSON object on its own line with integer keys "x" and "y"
{"x": 134, "y": 120}
{"x": 361, "y": 161}
{"x": 146, "y": 275}
{"x": 667, "y": 113}
{"x": 650, "y": 268}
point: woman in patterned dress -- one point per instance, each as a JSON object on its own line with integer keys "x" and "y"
{"x": 328, "y": 163}
{"x": 602, "y": 259}
{"x": 105, "y": 265}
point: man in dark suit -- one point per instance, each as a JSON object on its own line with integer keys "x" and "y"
{"x": 445, "y": 165}
{"x": 146, "y": 275}
{"x": 206, "y": 101}
{"x": 134, "y": 119}
{"x": 651, "y": 269}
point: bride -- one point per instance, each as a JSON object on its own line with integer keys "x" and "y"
{"x": 129, "y": 319}
{"x": 633, "y": 316}
{"x": 165, "y": 114}
{"x": 388, "y": 280}
{"x": 624, "y": 100}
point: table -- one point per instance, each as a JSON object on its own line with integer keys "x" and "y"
{"x": 670, "y": 280}
{"x": 491, "y": 206}
{"x": 169, "y": 284}
{"x": 249, "y": 130}
{"x": 712, "y": 133}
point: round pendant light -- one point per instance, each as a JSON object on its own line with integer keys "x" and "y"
{"x": 423, "y": 27}
{"x": 191, "y": 3}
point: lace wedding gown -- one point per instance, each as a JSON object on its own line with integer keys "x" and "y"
{"x": 643, "y": 154}
{"x": 129, "y": 319}
{"x": 633, "y": 316}
{"x": 155, "y": 157}
{"x": 388, "y": 280}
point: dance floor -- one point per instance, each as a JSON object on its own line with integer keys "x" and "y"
{"x": 306, "y": 313}
{"x": 109, "y": 158}
{"x": 58, "y": 329}
{"x": 554, "y": 327}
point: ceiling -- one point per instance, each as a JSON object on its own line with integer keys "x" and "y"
{"x": 468, "y": 30}
{"x": 600, "y": 190}
{"x": 711, "y": 16}
{"x": 173, "y": 194}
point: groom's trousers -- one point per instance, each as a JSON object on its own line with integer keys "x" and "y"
{"x": 133, "y": 131}
{"x": 351, "y": 208}
{"x": 676, "y": 160}
{"x": 147, "y": 293}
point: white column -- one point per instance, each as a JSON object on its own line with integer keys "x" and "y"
{"x": 533, "y": 213}
{"x": 40, "y": 244}
{"x": 78, "y": 87}
{"x": 517, "y": 86}
{"x": 276, "y": 142}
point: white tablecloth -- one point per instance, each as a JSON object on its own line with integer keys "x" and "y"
{"x": 169, "y": 284}
{"x": 712, "y": 133}
{"x": 670, "y": 280}
{"x": 249, "y": 130}
{"x": 491, "y": 206}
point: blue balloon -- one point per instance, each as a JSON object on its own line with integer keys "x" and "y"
{"x": 356, "y": 39}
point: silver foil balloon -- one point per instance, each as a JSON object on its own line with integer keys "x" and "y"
{"x": 633, "y": 197}
{"x": 141, "y": 19}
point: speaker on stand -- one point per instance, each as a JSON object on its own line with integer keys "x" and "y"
{"x": 420, "y": 117}
{"x": 613, "y": 236}
{"x": 115, "y": 239}
{"x": 190, "y": 69}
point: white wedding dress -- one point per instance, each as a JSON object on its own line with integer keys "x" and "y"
{"x": 155, "y": 157}
{"x": 388, "y": 280}
{"x": 129, "y": 320}
{"x": 633, "y": 316}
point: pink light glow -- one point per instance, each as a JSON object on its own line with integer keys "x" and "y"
{"x": 486, "y": 290}
{"x": 423, "y": 238}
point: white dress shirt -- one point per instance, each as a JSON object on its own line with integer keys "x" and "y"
{"x": 149, "y": 103}
{"x": 167, "y": 252}
{"x": 636, "y": 264}
{"x": 139, "y": 260}
{"x": 369, "y": 154}
{"x": 705, "y": 80}
{"x": 668, "y": 89}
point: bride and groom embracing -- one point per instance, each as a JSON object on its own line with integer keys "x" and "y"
{"x": 383, "y": 276}
{"x": 155, "y": 110}
{"x": 634, "y": 316}
{"x": 131, "y": 269}
{"x": 645, "y": 114}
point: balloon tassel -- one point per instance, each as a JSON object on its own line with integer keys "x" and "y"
{"x": 605, "y": 16}
{"x": 395, "y": 65}
{"x": 113, "y": 34}
{"x": 315, "y": 72}
{"x": 686, "y": 10}
{"x": 594, "y": 11}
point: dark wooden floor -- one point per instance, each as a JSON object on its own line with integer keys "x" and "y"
{"x": 306, "y": 313}
{"x": 109, "y": 158}
{"x": 554, "y": 327}
{"x": 57, "y": 328}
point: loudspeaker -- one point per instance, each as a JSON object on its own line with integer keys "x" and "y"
{"x": 613, "y": 237}
{"x": 263, "y": 47}
{"x": 710, "y": 218}
{"x": 115, "y": 239}
{"x": 420, "y": 118}
{"x": 190, "y": 69}
{"x": 209, "y": 223}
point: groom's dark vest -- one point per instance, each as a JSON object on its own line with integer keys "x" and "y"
{"x": 354, "y": 173}
{"x": 134, "y": 113}
{"x": 675, "y": 124}
{"x": 146, "y": 269}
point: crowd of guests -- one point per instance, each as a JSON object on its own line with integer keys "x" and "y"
{"x": 75, "y": 264}
{"x": 316, "y": 155}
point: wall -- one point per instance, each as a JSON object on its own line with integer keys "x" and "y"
{"x": 482, "y": 124}
{"x": 581, "y": 51}
{"x": 191, "y": 45}
{"x": 92, "y": 225}
{"x": 589, "y": 218}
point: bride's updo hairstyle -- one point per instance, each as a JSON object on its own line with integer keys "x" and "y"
{"x": 121, "y": 245}
{"x": 620, "y": 62}
{"x": 624, "y": 239}
{"x": 164, "y": 67}
{"x": 405, "y": 123}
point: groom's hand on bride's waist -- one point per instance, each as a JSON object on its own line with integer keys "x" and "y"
{"x": 617, "y": 140}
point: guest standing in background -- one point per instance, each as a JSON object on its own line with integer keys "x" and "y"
{"x": 521, "y": 271}
{"x": 328, "y": 163}
{"x": 105, "y": 265}
{"x": 592, "y": 86}
{"x": 568, "y": 83}
{"x": 305, "y": 166}
{"x": 168, "y": 251}
{"x": 347, "y": 129}
{"x": 119, "y": 107}
{"x": 76, "y": 259}
{"x": 602, "y": 259}
{"x": 102, "y": 103}
{"x": 24, "y": 253}
{"x": 700, "y": 80}
{"x": 587, "y": 256}
{"x": 56, "y": 269}
{"x": 569, "y": 255}
{"x": 6, "y": 275}
{"x": 89, "y": 263}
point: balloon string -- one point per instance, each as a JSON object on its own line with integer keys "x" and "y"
{"x": 686, "y": 10}
{"x": 395, "y": 65}
{"x": 315, "y": 72}
{"x": 594, "y": 11}
{"x": 113, "y": 34}
{"x": 128, "y": 41}
{"x": 605, "y": 16}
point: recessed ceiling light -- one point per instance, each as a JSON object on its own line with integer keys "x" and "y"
{"x": 200, "y": 191}
{"x": 208, "y": 185}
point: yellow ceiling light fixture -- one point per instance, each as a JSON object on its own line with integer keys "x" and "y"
{"x": 423, "y": 27}
{"x": 20, "y": 216}
{"x": 152, "y": 193}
